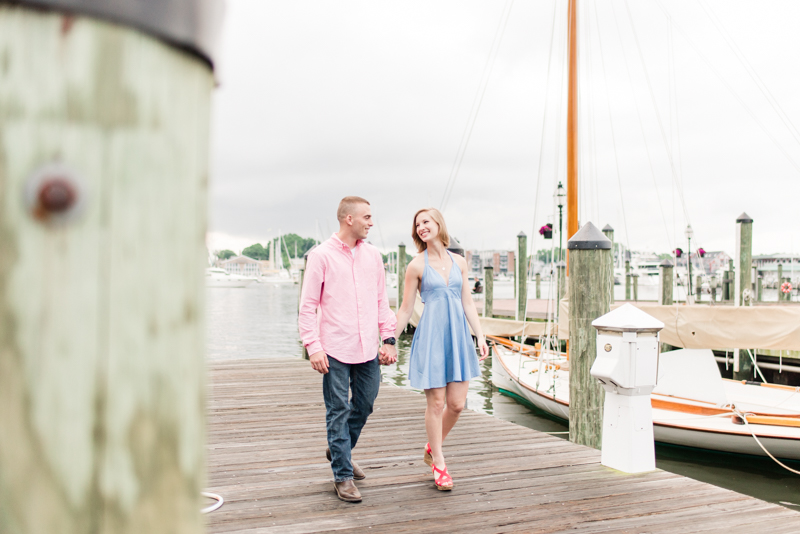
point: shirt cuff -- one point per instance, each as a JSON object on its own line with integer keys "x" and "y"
{"x": 387, "y": 334}
{"x": 314, "y": 347}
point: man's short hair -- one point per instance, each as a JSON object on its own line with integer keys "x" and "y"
{"x": 347, "y": 205}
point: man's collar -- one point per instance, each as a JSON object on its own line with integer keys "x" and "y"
{"x": 344, "y": 245}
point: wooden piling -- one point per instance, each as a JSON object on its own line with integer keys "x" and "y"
{"x": 779, "y": 282}
{"x": 698, "y": 288}
{"x": 488, "y": 289}
{"x": 522, "y": 275}
{"x": 304, "y": 354}
{"x": 665, "y": 283}
{"x": 608, "y": 231}
{"x": 744, "y": 253}
{"x": 759, "y": 288}
{"x": 102, "y": 283}
{"x": 627, "y": 279}
{"x": 401, "y": 273}
{"x": 538, "y": 285}
{"x": 561, "y": 269}
{"x": 589, "y": 299}
{"x": 635, "y": 287}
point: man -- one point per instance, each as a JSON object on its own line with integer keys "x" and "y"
{"x": 344, "y": 278}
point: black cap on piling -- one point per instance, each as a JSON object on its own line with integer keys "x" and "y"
{"x": 561, "y": 265}
{"x": 455, "y": 247}
{"x": 607, "y": 228}
{"x": 521, "y": 234}
{"x": 192, "y": 25}
{"x": 401, "y": 244}
{"x": 666, "y": 263}
{"x": 589, "y": 238}
{"x": 744, "y": 218}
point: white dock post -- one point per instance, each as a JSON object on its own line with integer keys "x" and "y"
{"x": 627, "y": 368}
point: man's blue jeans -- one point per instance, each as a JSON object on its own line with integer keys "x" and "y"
{"x": 346, "y": 417}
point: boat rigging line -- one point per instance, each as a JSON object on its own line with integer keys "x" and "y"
{"x": 641, "y": 127}
{"x": 733, "y": 92}
{"x": 613, "y": 135}
{"x": 476, "y": 103}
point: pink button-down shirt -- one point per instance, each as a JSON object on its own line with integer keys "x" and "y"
{"x": 349, "y": 288}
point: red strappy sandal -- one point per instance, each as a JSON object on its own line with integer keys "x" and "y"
{"x": 444, "y": 482}
{"x": 428, "y": 458}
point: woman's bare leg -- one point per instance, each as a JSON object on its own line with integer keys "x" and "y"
{"x": 433, "y": 423}
{"x": 456, "y": 397}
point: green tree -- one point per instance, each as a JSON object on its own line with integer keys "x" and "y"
{"x": 257, "y": 252}
{"x": 225, "y": 254}
{"x": 544, "y": 254}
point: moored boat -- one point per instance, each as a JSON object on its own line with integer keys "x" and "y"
{"x": 698, "y": 409}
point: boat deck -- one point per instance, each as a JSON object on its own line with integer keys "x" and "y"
{"x": 267, "y": 459}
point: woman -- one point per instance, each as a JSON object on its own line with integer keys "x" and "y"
{"x": 443, "y": 359}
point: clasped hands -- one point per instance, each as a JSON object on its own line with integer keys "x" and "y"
{"x": 387, "y": 354}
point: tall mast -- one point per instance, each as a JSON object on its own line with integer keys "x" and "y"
{"x": 572, "y": 126}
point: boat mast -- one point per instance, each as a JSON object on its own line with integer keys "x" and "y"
{"x": 572, "y": 126}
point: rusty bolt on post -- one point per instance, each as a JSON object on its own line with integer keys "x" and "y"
{"x": 54, "y": 194}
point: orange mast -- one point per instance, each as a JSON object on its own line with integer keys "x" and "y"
{"x": 572, "y": 127}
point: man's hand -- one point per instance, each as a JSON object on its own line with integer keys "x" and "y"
{"x": 319, "y": 362}
{"x": 388, "y": 355}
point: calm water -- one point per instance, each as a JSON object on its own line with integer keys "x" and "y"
{"x": 261, "y": 322}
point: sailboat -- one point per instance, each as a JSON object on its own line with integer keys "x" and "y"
{"x": 280, "y": 274}
{"x": 692, "y": 405}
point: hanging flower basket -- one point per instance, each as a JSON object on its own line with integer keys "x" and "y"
{"x": 701, "y": 252}
{"x": 547, "y": 231}
{"x": 678, "y": 253}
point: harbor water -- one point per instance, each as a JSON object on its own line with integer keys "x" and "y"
{"x": 260, "y": 321}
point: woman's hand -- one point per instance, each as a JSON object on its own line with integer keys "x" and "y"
{"x": 484, "y": 348}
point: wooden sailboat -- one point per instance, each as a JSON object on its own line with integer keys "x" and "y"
{"x": 696, "y": 408}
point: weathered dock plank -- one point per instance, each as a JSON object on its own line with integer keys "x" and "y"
{"x": 267, "y": 458}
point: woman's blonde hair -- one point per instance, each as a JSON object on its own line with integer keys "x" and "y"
{"x": 437, "y": 217}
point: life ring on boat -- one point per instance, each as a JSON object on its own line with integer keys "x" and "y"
{"x": 786, "y": 287}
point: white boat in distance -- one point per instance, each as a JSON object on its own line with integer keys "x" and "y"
{"x": 696, "y": 409}
{"x": 219, "y": 278}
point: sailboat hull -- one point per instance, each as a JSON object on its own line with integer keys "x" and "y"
{"x": 685, "y": 425}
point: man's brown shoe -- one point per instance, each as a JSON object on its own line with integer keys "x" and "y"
{"x": 358, "y": 473}
{"x": 347, "y": 491}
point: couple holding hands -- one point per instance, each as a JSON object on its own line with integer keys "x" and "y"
{"x": 345, "y": 280}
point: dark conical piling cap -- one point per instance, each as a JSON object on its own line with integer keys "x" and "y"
{"x": 455, "y": 247}
{"x": 607, "y": 228}
{"x": 521, "y": 234}
{"x": 744, "y": 218}
{"x": 666, "y": 264}
{"x": 561, "y": 265}
{"x": 589, "y": 238}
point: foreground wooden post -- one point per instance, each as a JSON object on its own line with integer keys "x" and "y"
{"x": 305, "y": 354}
{"x": 401, "y": 273}
{"x": 608, "y": 231}
{"x": 488, "y": 289}
{"x": 588, "y": 299}
{"x": 522, "y": 275}
{"x": 665, "y": 283}
{"x": 104, "y": 132}
{"x": 538, "y": 285}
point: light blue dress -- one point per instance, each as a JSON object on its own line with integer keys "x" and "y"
{"x": 442, "y": 350}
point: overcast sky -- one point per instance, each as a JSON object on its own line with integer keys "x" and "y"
{"x": 319, "y": 99}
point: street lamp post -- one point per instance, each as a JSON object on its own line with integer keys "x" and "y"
{"x": 560, "y": 196}
{"x": 689, "y": 233}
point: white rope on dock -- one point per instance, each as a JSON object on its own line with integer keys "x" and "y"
{"x": 215, "y": 506}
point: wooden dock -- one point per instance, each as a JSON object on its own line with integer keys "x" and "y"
{"x": 266, "y": 457}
